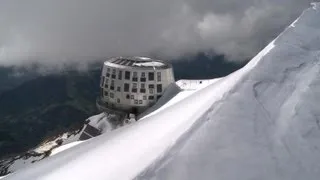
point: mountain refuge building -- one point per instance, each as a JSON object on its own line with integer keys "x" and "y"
{"x": 133, "y": 84}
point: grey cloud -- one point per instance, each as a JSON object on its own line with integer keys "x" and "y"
{"x": 55, "y": 31}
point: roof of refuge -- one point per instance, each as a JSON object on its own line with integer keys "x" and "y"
{"x": 140, "y": 62}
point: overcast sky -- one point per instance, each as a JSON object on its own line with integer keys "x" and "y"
{"x": 53, "y": 31}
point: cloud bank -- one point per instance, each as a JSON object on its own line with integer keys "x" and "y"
{"x": 56, "y": 31}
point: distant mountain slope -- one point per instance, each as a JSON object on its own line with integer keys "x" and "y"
{"x": 44, "y": 107}
{"x": 11, "y": 77}
{"x": 203, "y": 66}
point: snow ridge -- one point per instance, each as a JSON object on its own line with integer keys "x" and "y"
{"x": 268, "y": 126}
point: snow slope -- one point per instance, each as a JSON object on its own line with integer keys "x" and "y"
{"x": 55, "y": 146}
{"x": 261, "y": 122}
{"x": 64, "y": 147}
{"x": 174, "y": 95}
{"x": 267, "y": 126}
{"x": 17, "y": 162}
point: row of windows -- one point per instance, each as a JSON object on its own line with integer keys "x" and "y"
{"x": 142, "y": 88}
{"x": 143, "y": 97}
{"x": 111, "y": 95}
{"x": 134, "y": 87}
{"x": 140, "y": 101}
{"x": 127, "y": 75}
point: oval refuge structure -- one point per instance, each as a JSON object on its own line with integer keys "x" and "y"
{"x": 132, "y": 84}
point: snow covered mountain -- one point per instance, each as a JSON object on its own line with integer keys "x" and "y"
{"x": 261, "y": 122}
